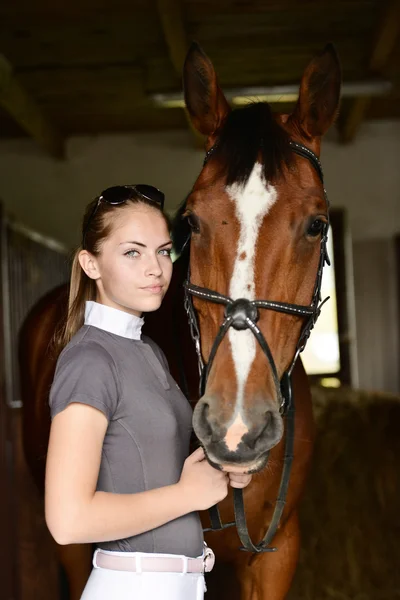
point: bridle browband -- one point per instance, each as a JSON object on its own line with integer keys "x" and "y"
{"x": 242, "y": 314}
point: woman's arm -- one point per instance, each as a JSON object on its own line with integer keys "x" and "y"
{"x": 76, "y": 513}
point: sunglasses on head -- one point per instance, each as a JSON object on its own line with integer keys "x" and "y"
{"x": 119, "y": 194}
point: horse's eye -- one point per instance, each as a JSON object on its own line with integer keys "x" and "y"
{"x": 316, "y": 227}
{"x": 193, "y": 222}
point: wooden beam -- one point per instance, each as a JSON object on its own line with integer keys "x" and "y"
{"x": 171, "y": 17}
{"x": 384, "y": 45}
{"x": 174, "y": 32}
{"x": 351, "y": 121}
{"x": 18, "y": 103}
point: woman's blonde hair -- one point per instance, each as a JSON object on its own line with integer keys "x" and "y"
{"x": 82, "y": 287}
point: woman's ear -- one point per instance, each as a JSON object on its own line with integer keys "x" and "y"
{"x": 89, "y": 264}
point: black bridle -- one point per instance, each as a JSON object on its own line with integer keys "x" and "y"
{"x": 242, "y": 314}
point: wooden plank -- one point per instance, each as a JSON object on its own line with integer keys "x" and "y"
{"x": 8, "y": 555}
{"x": 91, "y": 80}
{"x": 397, "y": 275}
{"x": 44, "y": 11}
{"x": 77, "y": 122}
{"x": 338, "y": 219}
{"x": 17, "y": 102}
{"x": 386, "y": 108}
{"x": 290, "y": 8}
{"x": 171, "y": 17}
{"x": 377, "y": 320}
{"x": 385, "y": 44}
{"x": 100, "y": 40}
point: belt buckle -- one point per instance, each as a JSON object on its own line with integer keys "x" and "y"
{"x": 208, "y": 560}
{"x": 94, "y": 559}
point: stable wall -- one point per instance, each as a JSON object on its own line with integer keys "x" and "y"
{"x": 364, "y": 178}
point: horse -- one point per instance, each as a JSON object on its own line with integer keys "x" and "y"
{"x": 244, "y": 297}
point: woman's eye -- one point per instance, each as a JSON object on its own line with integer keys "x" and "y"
{"x": 165, "y": 252}
{"x": 132, "y": 253}
{"x": 316, "y": 227}
{"x": 193, "y": 222}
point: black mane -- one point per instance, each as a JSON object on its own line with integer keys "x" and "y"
{"x": 248, "y": 133}
{"x": 180, "y": 230}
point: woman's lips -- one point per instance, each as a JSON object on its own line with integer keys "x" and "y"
{"x": 153, "y": 289}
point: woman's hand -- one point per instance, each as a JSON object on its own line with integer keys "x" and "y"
{"x": 202, "y": 484}
{"x": 239, "y": 480}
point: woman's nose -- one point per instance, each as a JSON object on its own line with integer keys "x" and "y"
{"x": 154, "y": 267}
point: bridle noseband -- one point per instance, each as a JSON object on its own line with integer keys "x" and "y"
{"x": 242, "y": 314}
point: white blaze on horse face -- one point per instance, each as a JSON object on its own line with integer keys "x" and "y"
{"x": 252, "y": 203}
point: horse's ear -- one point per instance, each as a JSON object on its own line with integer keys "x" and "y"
{"x": 319, "y": 95}
{"x": 206, "y": 104}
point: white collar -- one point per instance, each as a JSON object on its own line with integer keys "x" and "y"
{"x": 113, "y": 320}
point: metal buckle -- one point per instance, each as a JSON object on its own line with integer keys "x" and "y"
{"x": 208, "y": 560}
{"x": 94, "y": 560}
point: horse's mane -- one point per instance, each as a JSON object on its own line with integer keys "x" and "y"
{"x": 180, "y": 230}
{"x": 249, "y": 134}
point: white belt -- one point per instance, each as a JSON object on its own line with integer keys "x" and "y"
{"x": 145, "y": 563}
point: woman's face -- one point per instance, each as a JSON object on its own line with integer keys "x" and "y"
{"x": 134, "y": 264}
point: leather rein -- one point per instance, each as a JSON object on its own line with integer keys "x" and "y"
{"x": 242, "y": 314}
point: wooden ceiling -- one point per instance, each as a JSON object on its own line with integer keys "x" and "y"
{"x": 90, "y": 66}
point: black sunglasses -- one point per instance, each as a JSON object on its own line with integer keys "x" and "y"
{"x": 119, "y": 194}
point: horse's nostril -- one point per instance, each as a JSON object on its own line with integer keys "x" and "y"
{"x": 205, "y": 410}
{"x": 207, "y": 428}
{"x": 267, "y": 423}
{"x": 253, "y": 441}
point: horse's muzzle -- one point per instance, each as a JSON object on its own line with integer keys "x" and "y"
{"x": 243, "y": 441}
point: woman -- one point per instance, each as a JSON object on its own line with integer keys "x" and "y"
{"x": 118, "y": 472}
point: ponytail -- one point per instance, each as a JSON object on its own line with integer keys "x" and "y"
{"x": 81, "y": 289}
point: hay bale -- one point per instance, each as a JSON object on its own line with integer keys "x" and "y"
{"x": 350, "y": 514}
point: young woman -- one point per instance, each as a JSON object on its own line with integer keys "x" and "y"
{"x": 118, "y": 472}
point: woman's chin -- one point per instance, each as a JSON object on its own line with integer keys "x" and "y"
{"x": 151, "y": 306}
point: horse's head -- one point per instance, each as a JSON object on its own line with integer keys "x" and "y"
{"x": 258, "y": 216}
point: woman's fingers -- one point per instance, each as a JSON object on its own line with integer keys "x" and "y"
{"x": 196, "y": 456}
{"x": 239, "y": 480}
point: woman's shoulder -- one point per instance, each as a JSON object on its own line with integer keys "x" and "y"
{"x": 87, "y": 347}
{"x": 86, "y": 373}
